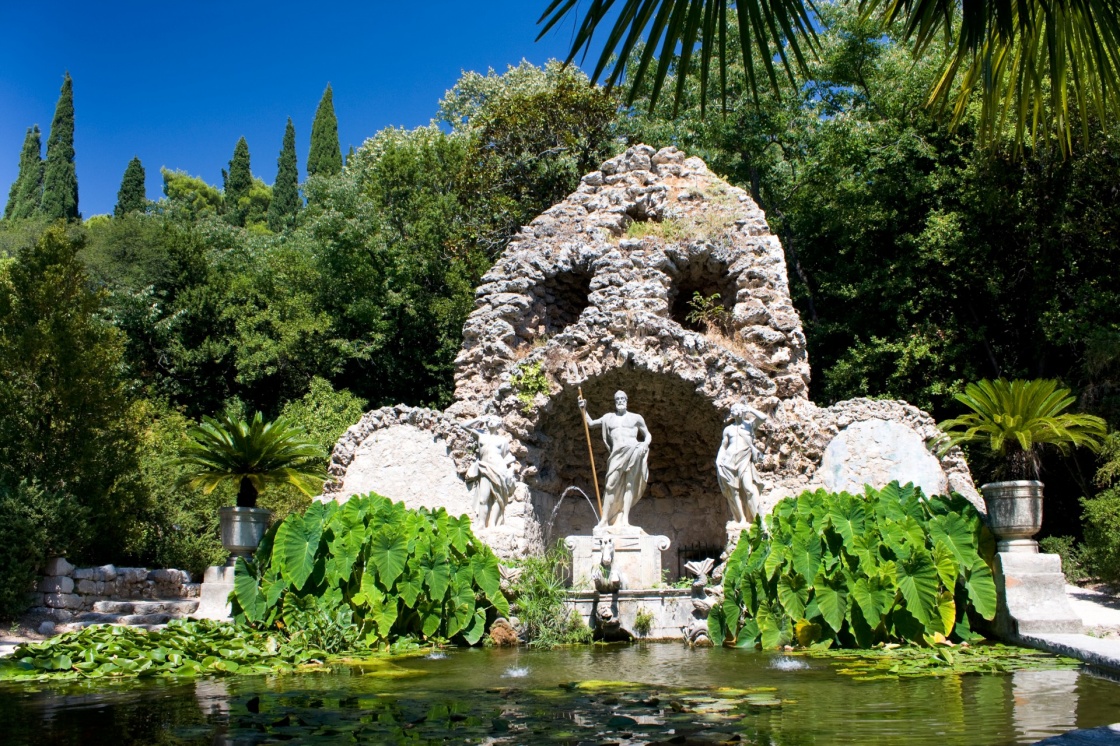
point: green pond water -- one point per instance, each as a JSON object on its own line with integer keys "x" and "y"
{"x": 676, "y": 695}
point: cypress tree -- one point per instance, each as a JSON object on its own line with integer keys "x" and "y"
{"x": 238, "y": 182}
{"x": 132, "y": 195}
{"x": 60, "y": 178}
{"x": 325, "y": 156}
{"x": 285, "y": 191}
{"x": 27, "y": 189}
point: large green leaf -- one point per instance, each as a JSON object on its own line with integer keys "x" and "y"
{"x": 343, "y": 554}
{"x": 717, "y": 626}
{"x": 946, "y": 564}
{"x": 383, "y": 612}
{"x": 954, "y": 532}
{"x": 981, "y": 589}
{"x": 484, "y": 567}
{"x": 793, "y": 593}
{"x": 775, "y": 558}
{"x": 459, "y": 532}
{"x": 388, "y": 552}
{"x": 917, "y": 581}
{"x": 436, "y": 570}
{"x": 248, "y": 593}
{"x": 874, "y": 596}
{"x": 474, "y": 629}
{"x": 296, "y": 548}
{"x": 831, "y": 601}
{"x": 848, "y": 518}
{"x": 805, "y": 554}
{"x": 411, "y": 584}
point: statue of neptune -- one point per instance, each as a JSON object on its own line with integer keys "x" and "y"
{"x": 628, "y": 465}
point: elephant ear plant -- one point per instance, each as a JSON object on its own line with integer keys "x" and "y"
{"x": 373, "y": 569}
{"x": 889, "y": 566}
{"x": 252, "y": 454}
{"x": 1017, "y": 418}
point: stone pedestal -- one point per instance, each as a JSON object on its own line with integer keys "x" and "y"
{"x": 1031, "y": 593}
{"x": 217, "y": 584}
{"x": 637, "y": 557}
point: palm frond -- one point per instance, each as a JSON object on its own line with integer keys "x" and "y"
{"x": 1022, "y": 59}
{"x": 770, "y": 31}
{"x": 1018, "y": 417}
{"x": 228, "y": 448}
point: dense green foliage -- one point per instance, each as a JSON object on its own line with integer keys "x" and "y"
{"x": 828, "y": 569}
{"x": 60, "y": 177}
{"x": 285, "y": 191}
{"x": 1015, "y": 419}
{"x": 374, "y": 565}
{"x": 34, "y": 520}
{"x": 27, "y": 190}
{"x": 251, "y": 454}
{"x": 132, "y": 196}
{"x": 540, "y": 601}
{"x": 324, "y": 157}
{"x": 202, "y": 648}
{"x": 66, "y": 420}
{"x": 1100, "y": 554}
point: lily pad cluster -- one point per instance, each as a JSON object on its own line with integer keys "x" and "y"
{"x": 183, "y": 648}
{"x": 371, "y": 566}
{"x": 901, "y": 662}
{"x": 888, "y": 566}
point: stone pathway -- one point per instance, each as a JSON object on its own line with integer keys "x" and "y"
{"x": 1100, "y": 644}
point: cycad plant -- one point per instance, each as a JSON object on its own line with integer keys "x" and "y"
{"x": 253, "y": 454}
{"x": 1017, "y": 418}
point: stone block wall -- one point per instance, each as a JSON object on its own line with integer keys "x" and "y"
{"x": 65, "y": 591}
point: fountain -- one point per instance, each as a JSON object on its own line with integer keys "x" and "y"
{"x": 598, "y": 296}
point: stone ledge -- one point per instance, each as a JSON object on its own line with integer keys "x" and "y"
{"x": 1102, "y": 653}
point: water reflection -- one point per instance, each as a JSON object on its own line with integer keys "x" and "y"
{"x": 516, "y": 697}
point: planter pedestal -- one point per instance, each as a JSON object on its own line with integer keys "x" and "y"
{"x": 1031, "y": 588}
{"x": 213, "y": 601}
{"x": 242, "y": 531}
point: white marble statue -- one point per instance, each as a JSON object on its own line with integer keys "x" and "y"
{"x": 628, "y": 465}
{"x": 738, "y": 478}
{"x": 491, "y": 477}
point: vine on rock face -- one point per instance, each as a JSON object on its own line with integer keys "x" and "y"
{"x": 838, "y": 569}
{"x": 383, "y": 571}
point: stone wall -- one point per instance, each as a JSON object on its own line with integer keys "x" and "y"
{"x": 64, "y": 591}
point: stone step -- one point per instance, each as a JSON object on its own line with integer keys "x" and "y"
{"x": 128, "y": 620}
{"x": 173, "y": 607}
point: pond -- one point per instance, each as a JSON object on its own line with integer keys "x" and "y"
{"x": 677, "y": 695}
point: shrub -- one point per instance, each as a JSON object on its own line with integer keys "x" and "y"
{"x": 375, "y": 568}
{"x": 888, "y": 566}
{"x": 541, "y": 605}
{"x": 33, "y": 521}
{"x": 1073, "y": 555}
{"x": 1100, "y": 518}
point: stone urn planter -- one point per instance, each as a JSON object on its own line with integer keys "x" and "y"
{"x": 1014, "y": 513}
{"x": 242, "y": 530}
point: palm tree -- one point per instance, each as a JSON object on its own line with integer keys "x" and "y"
{"x": 1025, "y": 59}
{"x": 253, "y": 454}
{"x": 1017, "y": 418}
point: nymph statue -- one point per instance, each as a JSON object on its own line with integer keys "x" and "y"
{"x": 738, "y": 479}
{"x": 628, "y": 465}
{"x": 491, "y": 477}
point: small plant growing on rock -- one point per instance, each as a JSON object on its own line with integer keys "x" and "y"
{"x": 643, "y": 621}
{"x": 708, "y": 313}
{"x": 528, "y": 381}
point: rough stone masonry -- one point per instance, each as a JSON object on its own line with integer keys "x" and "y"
{"x": 600, "y": 292}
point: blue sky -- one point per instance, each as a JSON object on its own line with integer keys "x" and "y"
{"x": 178, "y": 83}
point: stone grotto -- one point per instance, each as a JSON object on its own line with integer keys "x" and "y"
{"x": 597, "y": 293}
